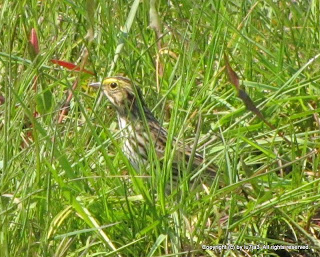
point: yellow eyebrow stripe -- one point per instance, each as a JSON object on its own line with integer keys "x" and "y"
{"x": 116, "y": 79}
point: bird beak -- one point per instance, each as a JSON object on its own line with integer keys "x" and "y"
{"x": 95, "y": 85}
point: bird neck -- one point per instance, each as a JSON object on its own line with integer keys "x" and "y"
{"x": 134, "y": 114}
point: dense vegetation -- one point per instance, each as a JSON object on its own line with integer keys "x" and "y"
{"x": 66, "y": 189}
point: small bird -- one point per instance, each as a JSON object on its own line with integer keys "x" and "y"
{"x": 139, "y": 127}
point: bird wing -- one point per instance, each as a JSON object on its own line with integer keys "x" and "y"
{"x": 183, "y": 153}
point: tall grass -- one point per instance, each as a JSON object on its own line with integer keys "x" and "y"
{"x": 66, "y": 189}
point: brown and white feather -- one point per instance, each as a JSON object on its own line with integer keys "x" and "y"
{"x": 132, "y": 112}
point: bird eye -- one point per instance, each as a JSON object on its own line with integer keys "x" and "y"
{"x": 113, "y": 85}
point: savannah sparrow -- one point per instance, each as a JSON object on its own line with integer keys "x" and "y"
{"x": 139, "y": 127}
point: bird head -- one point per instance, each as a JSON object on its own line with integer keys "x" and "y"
{"x": 121, "y": 93}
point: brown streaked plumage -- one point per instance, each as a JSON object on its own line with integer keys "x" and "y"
{"x": 127, "y": 99}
